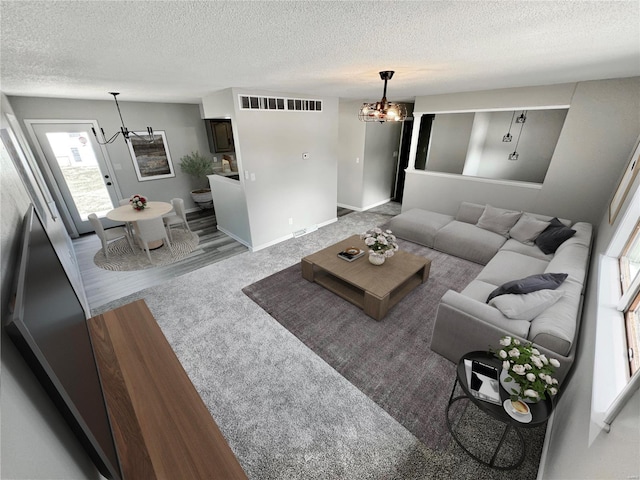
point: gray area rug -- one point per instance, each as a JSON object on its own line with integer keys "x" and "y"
{"x": 286, "y": 413}
{"x": 389, "y": 360}
{"x": 122, "y": 259}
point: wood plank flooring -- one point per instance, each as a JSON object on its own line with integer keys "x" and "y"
{"x": 103, "y": 286}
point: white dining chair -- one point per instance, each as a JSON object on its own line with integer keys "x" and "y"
{"x": 150, "y": 230}
{"x": 109, "y": 235}
{"x": 128, "y": 226}
{"x": 176, "y": 217}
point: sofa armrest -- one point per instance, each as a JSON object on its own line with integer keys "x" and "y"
{"x": 464, "y": 325}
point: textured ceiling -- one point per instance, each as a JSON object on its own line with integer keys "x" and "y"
{"x": 180, "y": 51}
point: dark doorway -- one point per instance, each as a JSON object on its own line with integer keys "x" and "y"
{"x": 403, "y": 159}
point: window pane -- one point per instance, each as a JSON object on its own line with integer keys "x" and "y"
{"x": 630, "y": 260}
{"x": 632, "y": 323}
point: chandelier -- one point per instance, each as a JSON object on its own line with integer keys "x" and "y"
{"x": 383, "y": 111}
{"x": 123, "y": 130}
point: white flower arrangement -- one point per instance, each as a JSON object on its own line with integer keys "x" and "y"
{"x": 138, "y": 202}
{"x": 380, "y": 242}
{"x": 527, "y": 368}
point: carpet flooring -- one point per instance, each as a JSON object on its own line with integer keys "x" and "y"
{"x": 388, "y": 360}
{"x": 287, "y": 413}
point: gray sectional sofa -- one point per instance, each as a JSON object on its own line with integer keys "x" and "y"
{"x": 510, "y": 244}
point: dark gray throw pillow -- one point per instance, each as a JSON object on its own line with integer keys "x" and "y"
{"x": 533, "y": 283}
{"x": 553, "y": 236}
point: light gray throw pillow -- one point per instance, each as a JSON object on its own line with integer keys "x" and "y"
{"x": 527, "y": 229}
{"x": 498, "y": 220}
{"x": 526, "y": 306}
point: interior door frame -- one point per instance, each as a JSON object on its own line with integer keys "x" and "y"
{"x": 48, "y": 174}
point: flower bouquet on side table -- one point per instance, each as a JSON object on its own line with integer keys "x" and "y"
{"x": 526, "y": 372}
{"x": 382, "y": 244}
{"x": 138, "y": 202}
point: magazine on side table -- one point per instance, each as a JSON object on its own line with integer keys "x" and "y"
{"x": 483, "y": 381}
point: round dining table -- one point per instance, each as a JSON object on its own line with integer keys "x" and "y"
{"x": 126, "y": 213}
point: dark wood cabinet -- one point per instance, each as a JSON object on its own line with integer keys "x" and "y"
{"x": 220, "y": 136}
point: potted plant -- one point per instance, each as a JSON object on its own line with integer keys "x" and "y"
{"x": 199, "y": 166}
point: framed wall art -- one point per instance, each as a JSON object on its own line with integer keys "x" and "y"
{"x": 629, "y": 176}
{"x": 151, "y": 159}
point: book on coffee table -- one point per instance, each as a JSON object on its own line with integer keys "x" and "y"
{"x": 483, "y": 381}
{"x": 350, "y": 254}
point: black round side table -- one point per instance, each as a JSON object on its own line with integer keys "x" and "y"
{"x": 539, "y": 411}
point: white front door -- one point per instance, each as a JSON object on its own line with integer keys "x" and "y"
{"x": 81, "y": 173}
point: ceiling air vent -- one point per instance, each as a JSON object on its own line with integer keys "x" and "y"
{"x": 250, "y": 102}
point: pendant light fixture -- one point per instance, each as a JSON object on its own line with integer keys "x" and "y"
{"x": 522, "y": 117}
{"x": 123, "y": 130}
{"x": 514, "y": 155}
{"x": 383, "y": 111}
{"x": 508, "y": 137}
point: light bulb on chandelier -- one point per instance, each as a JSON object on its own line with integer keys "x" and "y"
{"x": 383, "y": 111}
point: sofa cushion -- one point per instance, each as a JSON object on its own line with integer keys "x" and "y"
{"x": 418, "y": 226}
{"x": 498, "y": 220}
{"x": 506, "y": 266}
{"x": 470, "y": 212}
{"x": 512, "y": 245}
{"x": 468, "y": 241}
{"x": 555, "y": 234}
{"x": 556, "y": 327}
{"x": 530, "y": 284}
{"x": 527, "y": 229}
{"x": 573, "y": 260}
{"x": 478, "y": 290}
{"x": 583, "y": 235}
{"x": 526, "y": 306}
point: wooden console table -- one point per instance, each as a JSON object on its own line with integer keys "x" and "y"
{"x": 161, "y": 427}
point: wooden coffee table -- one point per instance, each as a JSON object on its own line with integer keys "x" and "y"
{"x": 373, "y": 288}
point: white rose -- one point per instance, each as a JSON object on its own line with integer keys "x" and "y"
{"x": 536, "y": 361}
{"x": 554, "y": 362}
{"x": 535, "y": 351}
{"x": 544, "y": 359}
{"x": 516, "y": 341}
{"x": 519, "y": 369}
{"x": 505, "y": 341}
{"x": 514, "y": 352}
{"x": 531, "y": 393}
{"x": 502, "y": 354}
{"x": 554, "y": 381}
{"x": 548, "y": 379}
{"x": 506, "y": 365}
{"x": 527, "y": 366}
{"x": 531, "y": 377}
{"x": 553, "y": 390}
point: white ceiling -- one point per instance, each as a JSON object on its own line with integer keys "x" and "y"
{"x": 181, "y": 51}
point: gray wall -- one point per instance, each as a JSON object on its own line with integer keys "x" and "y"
{"x": 600, "y": 128}
{"x": 366, "y": 161}
{"x": 277, "y": 183}
{"x": 182, "y": 124}
{"x": 351, "y": 141}
{"x": 36, "y": 441}
{"x": 382, "y": 143}
{"x": 450, "y": 136}
{"x": 575, "y": 452}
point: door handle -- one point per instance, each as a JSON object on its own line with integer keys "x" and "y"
{"x": 108, "y": 183}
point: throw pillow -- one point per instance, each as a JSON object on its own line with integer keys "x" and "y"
{"x": 469, "y": 212}
{"x": 554, "y": 236}
{"x": 527, "y": 229}
{"x": 526, "y": 306}
{"x": 498, "y": 220}
{"x": 529, "y": 284}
